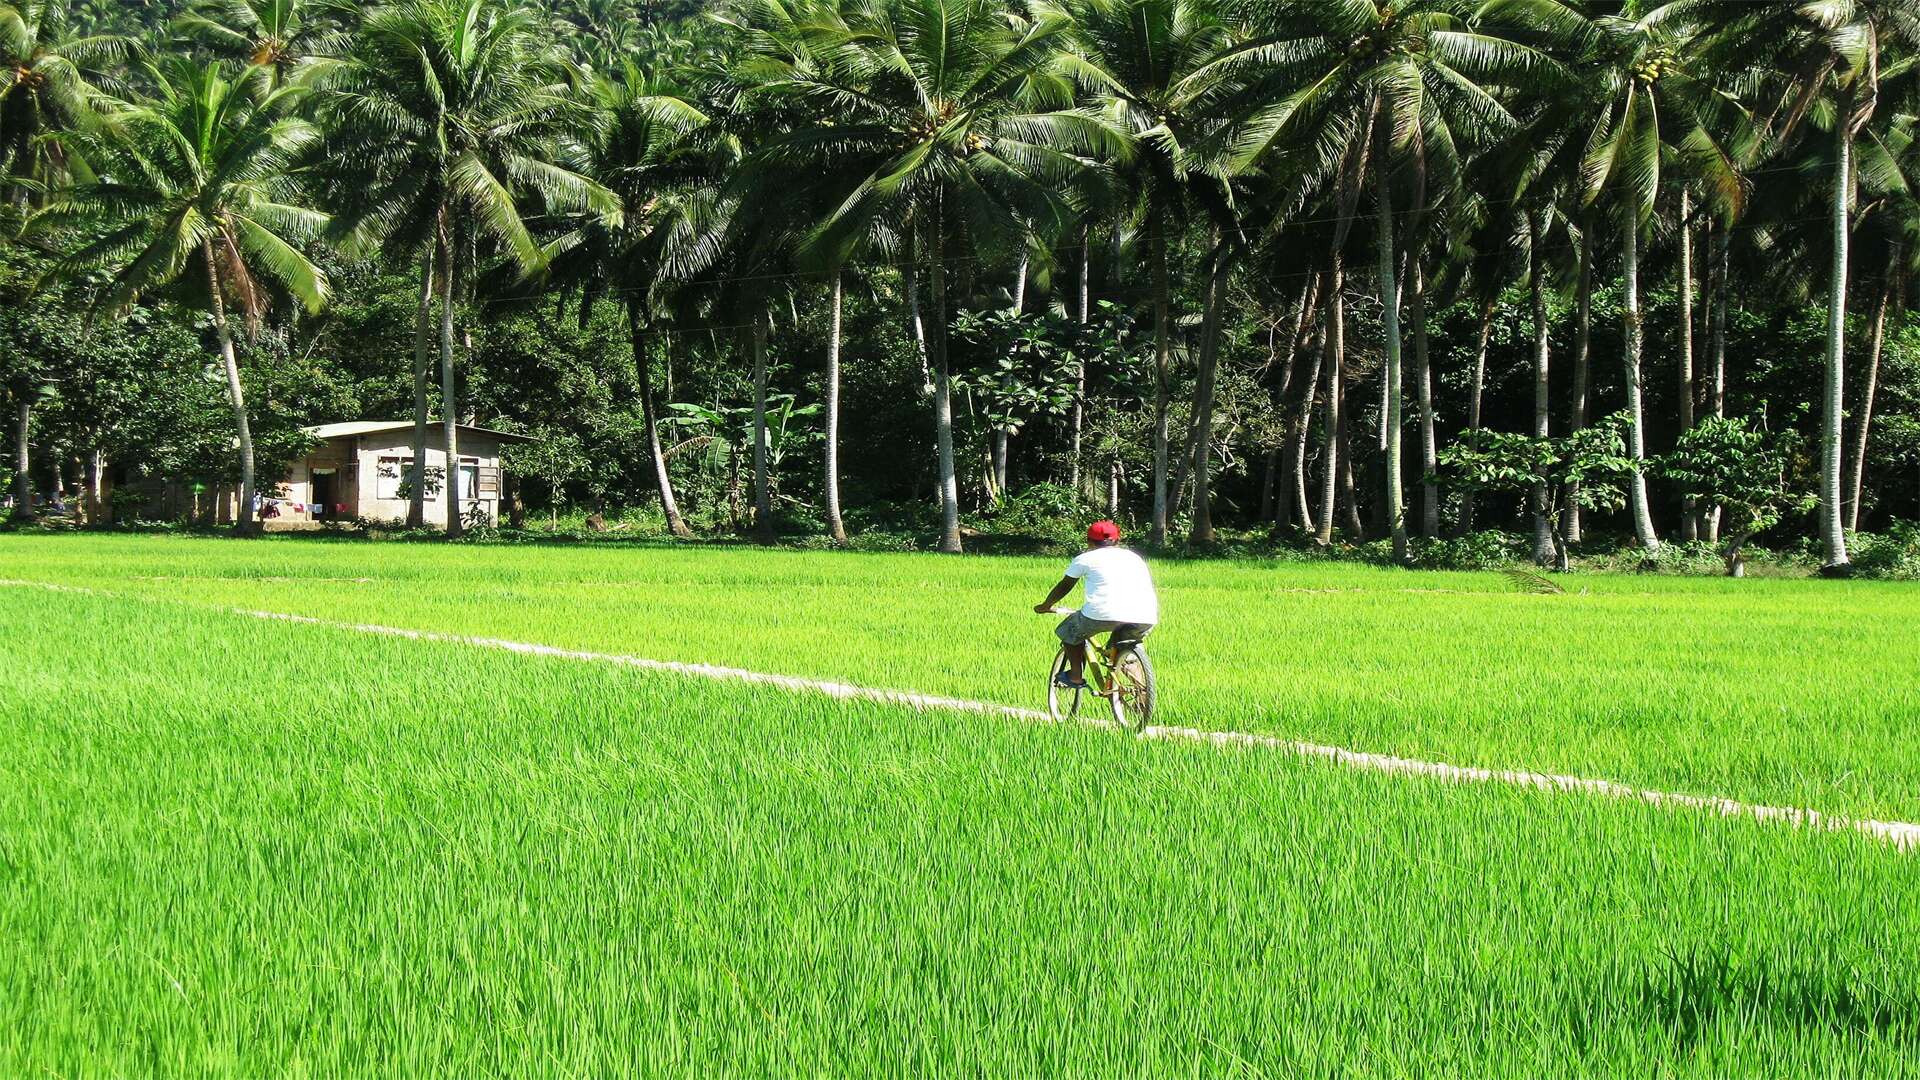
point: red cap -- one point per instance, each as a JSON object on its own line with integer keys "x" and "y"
{"x": 1101, "y": 532}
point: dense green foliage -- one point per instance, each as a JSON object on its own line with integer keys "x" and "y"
{"x": 235, "y": 847}
{"x": 1192, "y": 261}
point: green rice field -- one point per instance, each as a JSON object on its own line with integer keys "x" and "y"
{"x": 238, "y": 847}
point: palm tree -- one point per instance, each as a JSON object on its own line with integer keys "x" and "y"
{"x": 1479, "y": 261}
{"x": 282, "y": 39}
{"x": 443, "y": 117}
{"x": 643, "y": 151}
{"x": 51, "y": 83}
{"x": 1890, "y": 161}
{"x": 23, "y": 370}
{"x": 785, "y": 41}
{"x": 1650, "y": 111}
{"x": 1412, "y": 80}
{"x": 935, "y": 113}
{"x": 50, "y": 80}
{"x": 1142, "y": 61}
{"x": 1827, "y": 55}
{"x": 1535, "y": 171}
{"x": 194, "y": 189}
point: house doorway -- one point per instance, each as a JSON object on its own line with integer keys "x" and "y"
{"x": 324, "y": 489}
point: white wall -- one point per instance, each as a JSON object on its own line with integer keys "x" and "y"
{"x": 475, "y": 449}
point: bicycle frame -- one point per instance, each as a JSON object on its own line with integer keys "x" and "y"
{"x": 1099, "y": 670}
{"x": 1118, "y": 674}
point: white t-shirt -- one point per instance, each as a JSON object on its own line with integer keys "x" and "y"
{"x": 1119, "y": 589}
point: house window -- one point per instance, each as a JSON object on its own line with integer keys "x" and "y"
{"x": 469, "y": 478}
{"x": 391, "y": 472}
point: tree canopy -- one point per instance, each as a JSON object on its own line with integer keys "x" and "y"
{"x": 1316, "y": 272}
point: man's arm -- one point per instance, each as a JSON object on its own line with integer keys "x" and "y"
{"x": 1059, "y": 593}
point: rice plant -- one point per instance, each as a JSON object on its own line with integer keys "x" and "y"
{"x": 243, "y": 848}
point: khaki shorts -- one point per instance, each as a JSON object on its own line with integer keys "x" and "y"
{"x": 1077, "y": 629}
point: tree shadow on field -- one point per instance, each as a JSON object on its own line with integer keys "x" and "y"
{"x": 1692, "y": 994}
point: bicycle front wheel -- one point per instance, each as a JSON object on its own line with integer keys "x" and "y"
{"x": 1063, "y": 703}
{"x": 1133, "y": 689}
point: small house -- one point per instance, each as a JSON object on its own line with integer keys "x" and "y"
{"x": 357, "y": 469}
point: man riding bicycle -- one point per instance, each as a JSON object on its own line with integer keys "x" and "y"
{"x": 1119, "y": 600}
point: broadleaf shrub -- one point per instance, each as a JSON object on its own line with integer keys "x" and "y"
{"x": 1489, "y": 549}
{"x": 1894, "y": 554}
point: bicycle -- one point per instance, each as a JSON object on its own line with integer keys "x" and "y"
{"x": 1119, "y": 671}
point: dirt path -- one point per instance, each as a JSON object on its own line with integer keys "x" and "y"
{"x": 1903, "y": 835}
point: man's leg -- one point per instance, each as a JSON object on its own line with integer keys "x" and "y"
{"x": 1077, "y": 661}
{"x": 1073, "y": 632}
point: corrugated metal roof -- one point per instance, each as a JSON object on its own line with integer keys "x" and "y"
{"x": 371, "y": 427}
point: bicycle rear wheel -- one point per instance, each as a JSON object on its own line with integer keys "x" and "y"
{"x": 1133, "y": 689}
{"x": 1064, "y": 703}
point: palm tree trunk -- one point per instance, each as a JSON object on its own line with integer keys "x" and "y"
{"x": 1704, "y": 304}
{"x": 1302, "y": 423}
{"x": 1717, "y": 345}
{"x": 1001, "y": 437}
{"x": 762, "y": 483}
{"x": 1543, "y": 552}
{"x": 1377, "y": 521}
{"x": 835, "y": 527}
{"x": 1162, "y": 347}
{"x": 1349, "y": 500}
{"x": 449, "y": 414}
{"x": 1689, "y": 506}
{"x": 1080, "y": 367}
{"x": 1297, "y": 339}
{"x": 1874, "y": 345}
{"x": 236, "y": 395}
{"x": 1178, "y": 485}
{"x": 96, "y": 493}
{"x": 1335, "y": 344}
{"x": 1582, "y": 369}
{"x": 936, "y": 332}
{"x": 422, "y": 366}
{"x": 1423, "y": 387}
{"x": 643, "y": 371}
{"x": 1202, "y": 531}
{"x": 916, "y": 320}
{"x": 733, "y": 487}
{"x": 1269, "y": 484}
{"x": 23, "y": 511}
{"x": 1338, "y": 465}
{"x": 1833, "y": 537}
{"x": 1630, "y": 311}
{"x": 670, "y": 347}
{"x": 1273, "y": 507}
{"x": 1476, "y": 391}
{"x": 1390, "y": 325}
{"x": 1418, "y": 230}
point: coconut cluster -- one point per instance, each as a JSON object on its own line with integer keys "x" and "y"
{"x": 1655, "y": 67}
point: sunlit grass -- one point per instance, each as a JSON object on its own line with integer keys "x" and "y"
{"x": 1797, "y": 692}
{"x": 247, "y": 848}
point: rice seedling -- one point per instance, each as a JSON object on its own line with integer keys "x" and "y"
{"x": 236, "y": 847}
{"x": 1790, "y": 692}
